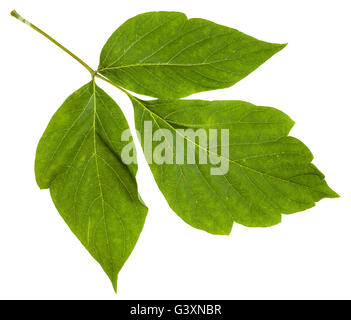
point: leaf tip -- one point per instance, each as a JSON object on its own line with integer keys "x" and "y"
{"x": 114, "y": 283}
{"x": 281, "y": 46}
{"x": 113, "y": 276}
{"x": 334, "y": 194}
{"x": 329, "y": 192}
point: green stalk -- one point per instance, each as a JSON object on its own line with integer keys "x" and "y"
{"x": 92, "y": 72}
{"x": 17, "y": 16}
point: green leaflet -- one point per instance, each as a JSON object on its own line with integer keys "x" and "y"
{"x": 270, "y": 173}
{"x": 165, "y": 55}
{"x": 78, "y": 158}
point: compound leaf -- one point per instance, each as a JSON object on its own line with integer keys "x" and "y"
{"x": 78, "y": 158}
{"x": 269, "y": 173}
{"x": 166, "y": 55}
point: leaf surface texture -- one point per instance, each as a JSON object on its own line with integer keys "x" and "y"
{"x": 166, "y": 55}
{"x": 78, "y": 158}
{"x": 270, "y": 173}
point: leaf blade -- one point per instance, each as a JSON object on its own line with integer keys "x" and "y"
{"x": 165, "y": 55}
{"x": 78, "y": 159}
{"x": 270, "y": 173}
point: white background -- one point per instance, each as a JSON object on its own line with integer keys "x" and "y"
{"x": 307, "y": 256}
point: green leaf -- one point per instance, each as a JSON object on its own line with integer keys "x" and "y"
{"x": 270, "y": 173}
{"x": 79, "y": 159}
{"x": 165, "y": 55}
{"x": 216, "y": 162}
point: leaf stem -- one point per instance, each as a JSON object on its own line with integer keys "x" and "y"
{"x": 17, "y": 16}
{"x": 92, "y": 72}
{"x": 97, "y": 75}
